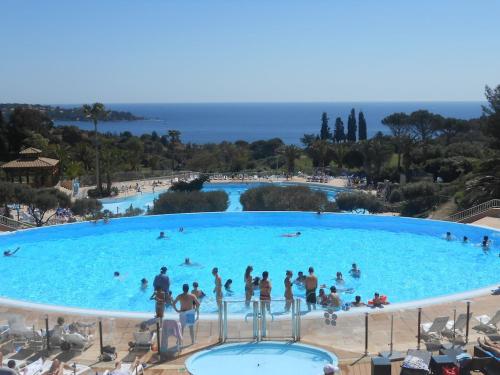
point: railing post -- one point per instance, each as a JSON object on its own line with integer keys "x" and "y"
{"x": 263, "y": 324}
{"x": 419, "y": 321}
{"x": 47, "y": 333}
{"x": 294, "y": 323}
{"x": 298, "y": 320}
{"x": 221, "y": 333}
{"x": 100, "y": 337}
{"x": 225, "y": 322}
{"x": 158, "y": 338}
{"x": 366, "y": 334}
{"x": 467, "y": 325}
{"x": 256, "y": 320}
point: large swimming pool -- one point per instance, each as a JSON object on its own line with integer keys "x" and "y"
{"x": 233, "y": 190}
{"x": 406, "y": 259}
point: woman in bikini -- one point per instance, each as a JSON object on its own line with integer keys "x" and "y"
{"x": 248, "y": 285}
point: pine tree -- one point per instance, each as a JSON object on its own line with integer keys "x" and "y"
{"x": 339, "y": 134}
{"x": 325, "y": 132}
{"x": 362, "y": 127}
{"x": 351, "y": 127}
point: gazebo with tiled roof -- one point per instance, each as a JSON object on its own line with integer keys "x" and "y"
{"x": 32, "y": 168}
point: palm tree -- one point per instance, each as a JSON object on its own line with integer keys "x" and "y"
{"x": 95, "y": 112}
{"x": 291, "y": 153}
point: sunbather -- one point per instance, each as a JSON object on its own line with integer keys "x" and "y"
{"x": 487, "y": 345}
{"x": 133, "y": 369}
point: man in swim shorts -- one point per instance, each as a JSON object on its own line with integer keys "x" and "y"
{"x": 218, "y": 286}
{"x": 311, "y": 284}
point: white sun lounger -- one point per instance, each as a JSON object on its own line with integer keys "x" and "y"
{"x": 434, "y": 329}
{"x": 460, "y": 324}
{"x": 487, "y": 324}
{"x": 79, "y": 370}
{"x": 127, "y": 367}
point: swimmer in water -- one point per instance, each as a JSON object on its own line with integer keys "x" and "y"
{"x": 181, "y": 229}
{"x": 301, "y": 278}
{"x": 465, "y": 239}
{"x": 187, "y": 262}
{"x": 116, "y": 275}
{"x": 161, "y": 236}
{"x": 227, "y": 287}
{"x": 291, "y": 234}
{"x": 339, "y": 278}
{"x": 448, "y": 236}
{"x": 8, "y": 253}
{"x": 355, "y": 271}
{"x": 144, "y": 284}
{"x": 486, "y": 243}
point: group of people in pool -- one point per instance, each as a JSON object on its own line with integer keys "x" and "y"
{"x": 485, "y": 243}
{"x": 314, "y": 293}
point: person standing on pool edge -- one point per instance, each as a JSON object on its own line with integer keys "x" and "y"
{"x": 218, "y": 286}
{"x": 288, "y": 291}
{"x": 162, "y": 281}
{"x": 311, "y": 284}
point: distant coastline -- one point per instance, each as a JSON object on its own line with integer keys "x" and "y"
{"x": 216, "y": 122}
{"x": 57, "y": 113}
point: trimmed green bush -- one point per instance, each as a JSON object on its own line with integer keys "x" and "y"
{"x": 86, "y": 206}
{"x": 285, "y": 198}
{"x": 350, "y": 201}
{"x": 194, "y": 201}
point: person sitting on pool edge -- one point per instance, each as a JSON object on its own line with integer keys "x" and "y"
{"x": 357, "y": 302}
{"x": 378, "y": 301}
{"x": 322, "y": 298}
{"x": 9, "y": 253}
{"x": 355, "y": 271}
{"x": 333, "y": 298}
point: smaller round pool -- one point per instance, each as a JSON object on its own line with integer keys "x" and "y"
{"x": 260, "y": 358}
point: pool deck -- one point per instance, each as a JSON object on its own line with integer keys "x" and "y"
{"x": 346, "y": 339}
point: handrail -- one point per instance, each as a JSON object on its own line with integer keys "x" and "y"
{"x": 475, "y": 210}
{"x": 14, "y": 224}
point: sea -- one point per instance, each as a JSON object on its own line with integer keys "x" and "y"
{"x": 216, "y": 122}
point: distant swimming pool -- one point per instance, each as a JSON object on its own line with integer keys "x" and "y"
{"x": 234, "y": 191}
{"x": 406, "y": 259}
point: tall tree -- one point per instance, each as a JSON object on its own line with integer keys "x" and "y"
{"x": 492, "y": 111}
{"x": 95, "y": 113}
{"x": 291, "y": 153}
{"x": 339, "y": 133}
{"x": 351, "y": 127}
{"x": 398, "y": 125}
{"x": 423, "y": 124}
{"x": 363, "y": 135}
{"x": 325, "y": 132}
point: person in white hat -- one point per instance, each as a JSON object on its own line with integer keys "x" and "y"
{"x": 330, "y": 369}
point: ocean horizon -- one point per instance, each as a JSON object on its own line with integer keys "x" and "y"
{"x": 217, "y": 122}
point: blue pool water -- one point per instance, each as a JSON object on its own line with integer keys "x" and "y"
{"x": 234, "y": 191}
{"x": 262, "y": 358}
{"x": 406, "y": 259}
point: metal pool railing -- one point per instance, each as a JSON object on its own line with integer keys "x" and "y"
{"x": 262, "y": 321}
{"x": 14, "y": 224}
{"x": 470, "y": 212}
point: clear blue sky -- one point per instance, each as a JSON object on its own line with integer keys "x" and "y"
{"x": 257, "y": 50}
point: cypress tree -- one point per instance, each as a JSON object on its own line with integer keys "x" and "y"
{"x": 351, "y": 127}
{"x": 339, "y": 134}
{"x": 362, "y": 127}
{"x": 325, "y": 132}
